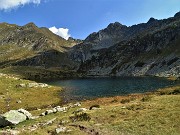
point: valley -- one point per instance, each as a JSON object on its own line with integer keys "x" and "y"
{"x": 119, "y": 80}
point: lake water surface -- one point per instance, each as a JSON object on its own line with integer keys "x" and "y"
{"x": 80, "y": 89}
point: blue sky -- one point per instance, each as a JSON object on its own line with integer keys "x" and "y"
{"x": 83, "y": 17}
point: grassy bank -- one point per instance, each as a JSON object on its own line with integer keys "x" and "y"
{"x": 138, "y": 114}
{"x": 13, "y": 97}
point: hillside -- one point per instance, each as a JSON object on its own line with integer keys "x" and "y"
{"x": 151, "y": 48}
{"x": 32, "y": 49}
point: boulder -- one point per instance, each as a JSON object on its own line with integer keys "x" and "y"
{"x": 36, "y": 85}
{"x": 80, "y": 110}
{"x": 54, "y": 110}
{"x": 18, "y": 101}
{"x": 22, "y": 85}
{"x": 28, "y": 114}
{"x": 9, "y": 132}
{"x": 77, "y": 104}
{"x": 64, "y": 108}
{"x": 42, "y": 114}
{"x": 60, "y": 130}
{"x": 12, "y": 117}
{"x": 59, "y": 109}
{"x": 95, "y": 108}
{"x": 48, "y": 112}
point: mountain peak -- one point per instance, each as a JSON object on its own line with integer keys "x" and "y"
{"x": 152, "y": 20}
{"x": 115, "y": 25}
{"x": 177, "y": 14}
{"x": 31, "y": 24}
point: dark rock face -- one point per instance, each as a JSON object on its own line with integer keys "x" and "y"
{"x": 144, "y": 49}
{"x": 47, "y": 59}
{"x": 151, "y": 20}
{"x": 177, "y": 14}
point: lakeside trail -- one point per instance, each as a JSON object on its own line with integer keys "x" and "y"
{"x": 136, "y": 114}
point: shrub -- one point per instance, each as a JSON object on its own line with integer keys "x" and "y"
{"x": 135, "y": 107}
{"x": 80, "y": 117}
{"x": 114, "y": 101}
{"x": 176, "y": 92}
{"x": 127, "y": 100}
{"x": 170, "y": 92}
{"x": 146, "y": 98}
{"x": 123, "y": 101}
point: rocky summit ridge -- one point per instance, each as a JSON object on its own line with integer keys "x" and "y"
{"x": 151, "y": 48}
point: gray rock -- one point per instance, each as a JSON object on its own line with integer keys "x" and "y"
{"x": 77, "y": 104}
{"x": 54, "y": 110}
{"x": 22, "y": 85}
{"x": 48, "y": 112}
{"x": 95, "y": 108}
{"x": 35, "y": 85}
{"x": 12, "y": 117}
{"x": 80, "y": 110}
{"x": 60, "y": 130}
{"x": 49, "y": 122}
{"x": 64, "y": 108}
{"x": 18, "y": 101}
{"x": 9, "y": 132}
{"x": 28, "y": 114}
{"x": 34, "y": 117}
{"x": 42, "y": 114}
{"x": 60, "y": 109}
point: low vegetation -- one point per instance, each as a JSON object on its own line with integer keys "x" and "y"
{"x": 138, "y": 114}
{"x": 14, "y": 97}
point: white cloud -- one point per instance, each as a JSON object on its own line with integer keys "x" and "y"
{"x": 10, "y": 4}
{"x": 62, "y": 32}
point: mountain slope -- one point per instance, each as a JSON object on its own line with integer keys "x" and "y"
{"x": 151, "y": 48}
{"x": 145, "y": 49}
{"x": 30, "y": 46}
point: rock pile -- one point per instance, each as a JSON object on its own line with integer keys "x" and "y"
{"x": 33, "y": 85}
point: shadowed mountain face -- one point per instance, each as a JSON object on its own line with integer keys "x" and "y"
{"x": 151, "y": 48}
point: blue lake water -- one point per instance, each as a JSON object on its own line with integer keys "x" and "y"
{"x": 80, "y": 89}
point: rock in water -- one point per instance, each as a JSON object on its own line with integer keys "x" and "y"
{"x": 12, "y": 117}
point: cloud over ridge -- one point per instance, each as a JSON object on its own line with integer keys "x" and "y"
{"x": 62, "y": 32}
{"x": 10, "y": 4}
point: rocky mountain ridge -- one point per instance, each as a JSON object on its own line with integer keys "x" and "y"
{"x": 151, "y": 48}
{"x": 29, "y": 45}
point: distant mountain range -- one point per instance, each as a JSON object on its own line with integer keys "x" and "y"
{"x": 151, "y": 48}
